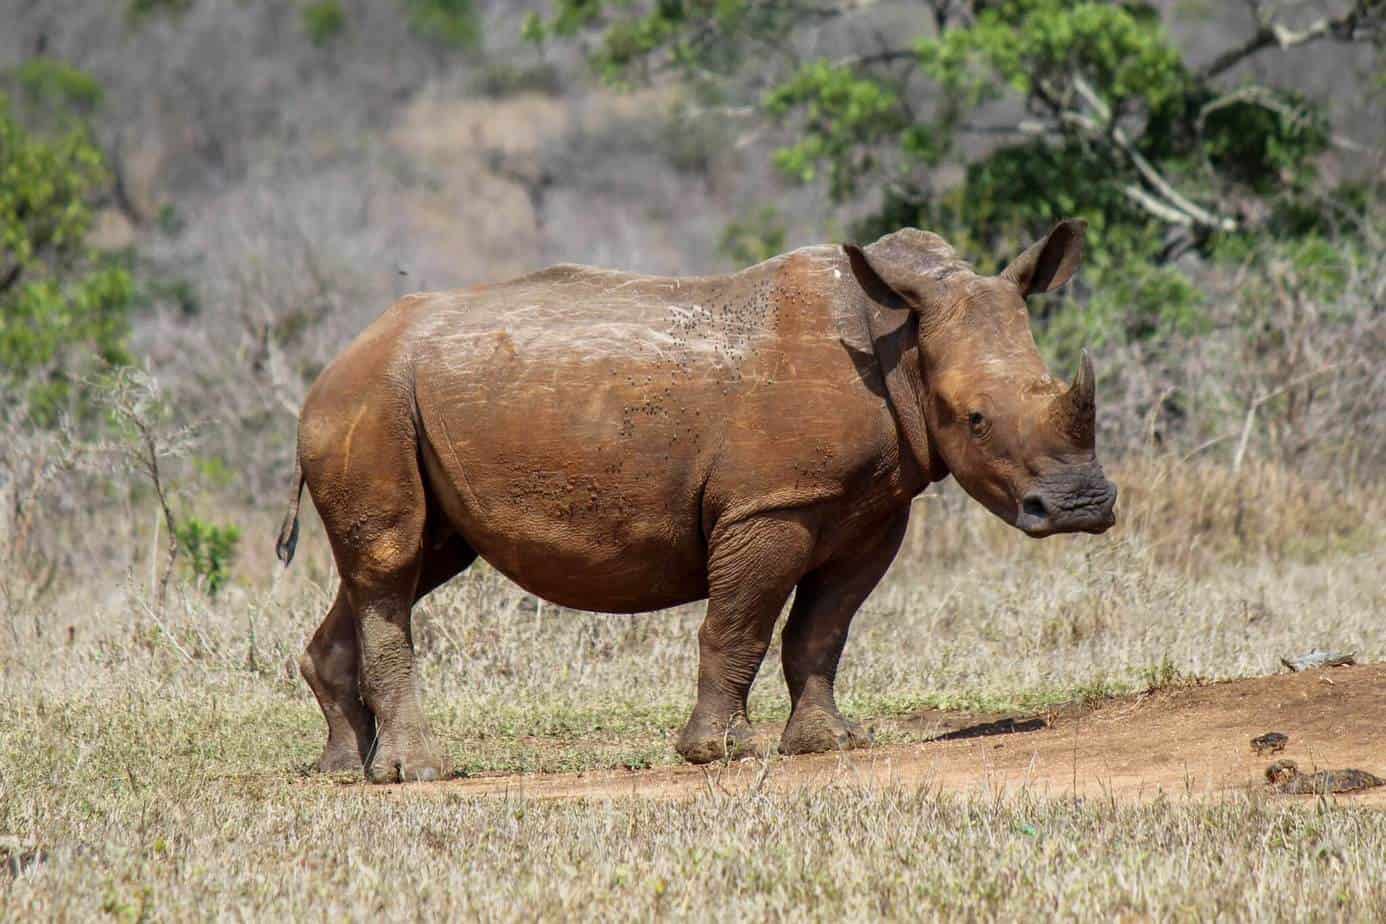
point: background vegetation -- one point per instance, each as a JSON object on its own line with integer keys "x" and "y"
{"x": 202, "y": 201}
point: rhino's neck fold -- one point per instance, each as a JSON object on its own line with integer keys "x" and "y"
{"x": 895, "y": 340}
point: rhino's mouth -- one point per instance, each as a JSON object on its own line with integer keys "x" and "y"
{"x": 1072, "y": 500}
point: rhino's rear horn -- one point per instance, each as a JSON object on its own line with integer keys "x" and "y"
{"x": 1083, "y": 391}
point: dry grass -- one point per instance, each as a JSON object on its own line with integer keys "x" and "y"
{"x": 157, "y": 758}
{"x": 270, "y": 851}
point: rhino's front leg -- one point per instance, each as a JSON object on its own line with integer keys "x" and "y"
{"x": 814, "y": 637}
{"x": 752, "y": 567}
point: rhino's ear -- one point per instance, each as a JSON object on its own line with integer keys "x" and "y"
{"x": 876, "y": 288}
{"x": 1051, "y": 262}
{"x": 905, "y": 269}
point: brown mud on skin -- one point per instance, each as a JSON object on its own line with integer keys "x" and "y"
{"x": 1175, "y": 743}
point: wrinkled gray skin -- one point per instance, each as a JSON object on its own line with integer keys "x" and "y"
{"x": 623, "y": 443}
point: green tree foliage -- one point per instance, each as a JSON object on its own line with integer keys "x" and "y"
{"x": 1114, "y": 125}
{"x": 61, "y": 307}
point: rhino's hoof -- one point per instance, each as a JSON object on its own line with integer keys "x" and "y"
{"x": 407, "y": 772}
{"x": 417, "y": 765}
{"x": 340, "y": 760}
{"x": 704, "y": 742}
{"x": 814, "y": 730}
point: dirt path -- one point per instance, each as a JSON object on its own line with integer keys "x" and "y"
{"x": 1192, "y": 741}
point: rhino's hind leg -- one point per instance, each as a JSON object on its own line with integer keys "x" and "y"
{"x": 381, "y": 579}
{"x": 331, "y": 665}
{"x": 814, "y": 637}
{"x": 362, "y": 467}
{"x": 752, "y": 567}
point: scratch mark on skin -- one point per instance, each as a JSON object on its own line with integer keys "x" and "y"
{"x": 351, "y": 431}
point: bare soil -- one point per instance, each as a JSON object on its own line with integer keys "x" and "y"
{"x": 1192, "y": 741}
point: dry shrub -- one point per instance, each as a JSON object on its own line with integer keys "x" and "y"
{"x": 1288, "y": 366}
{"x": 1193, "y": 512}
{"x": 1189, "y": 515}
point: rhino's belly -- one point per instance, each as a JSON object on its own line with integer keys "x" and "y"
{"x": 635, "y": 580}
{"x": 575, "y": 523}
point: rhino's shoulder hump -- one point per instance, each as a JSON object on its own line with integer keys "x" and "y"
{"x": 560, "y": 273}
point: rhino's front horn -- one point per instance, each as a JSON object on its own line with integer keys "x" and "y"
{"x": 1077, "y": 407}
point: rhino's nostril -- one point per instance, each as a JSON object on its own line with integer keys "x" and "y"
{"x": 1034, "y": 505}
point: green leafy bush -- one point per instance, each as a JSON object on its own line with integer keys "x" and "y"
{"x": 60, "y": 305}
{"x": 759, "y": 236}
{"x": 452, "y": 22}
{"x": 52, "y": 83}
{"x": 508, "y": 77}
{"x": 209, "y": 551}
{"x": 324, "y": 21}
{"x": 142, "y": 8}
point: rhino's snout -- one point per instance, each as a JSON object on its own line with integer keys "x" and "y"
{"x": 1080, "y": 499}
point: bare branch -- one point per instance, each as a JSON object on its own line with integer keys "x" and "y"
{"x": 1029, "y": 128}
{"x": 1256, "y": 95}
{"x": 137, "y": 399}
{"x": 120, "y": 188}
{"x": 1155, "y": 207}
{"x": 1255, "y": 405}
{"x": 877, "y": 57}
{"x": 1118, "y": 135}
{"x": 1363, "y": 21}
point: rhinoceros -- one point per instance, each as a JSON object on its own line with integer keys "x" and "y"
{"x": 622, "y": 443}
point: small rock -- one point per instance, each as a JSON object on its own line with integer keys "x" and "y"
{"x": 1319, "y": 658}
{"x": 1269, "y": 743}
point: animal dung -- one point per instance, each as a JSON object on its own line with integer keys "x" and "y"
{"x": 1284, "y": 777}
{"x": 1282, "y": 771}
{"x": 1269, "y": 743}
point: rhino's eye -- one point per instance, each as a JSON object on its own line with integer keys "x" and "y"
{"x": 977, "y": 421}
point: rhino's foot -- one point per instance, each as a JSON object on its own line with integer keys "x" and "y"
{"x": 813, "y": 729}
{"x": 413, "y": 761}
{"x": 340, "y": 759}
{"x": 703, "y": 741}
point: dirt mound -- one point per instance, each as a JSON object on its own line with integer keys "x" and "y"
{"x": 1191, "y": 741}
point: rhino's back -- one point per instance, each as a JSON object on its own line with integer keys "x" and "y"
{"x": 573, "y": 418}
{"x": 591, "y": 315}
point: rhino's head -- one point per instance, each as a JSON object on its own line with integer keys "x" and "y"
{"x": 1016, "y": 439}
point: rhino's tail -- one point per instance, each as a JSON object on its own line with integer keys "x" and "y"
{"x": 288, "y": 530}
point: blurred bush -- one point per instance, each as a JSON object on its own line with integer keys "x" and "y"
{"x": 61, "y": 305}
{"x": 453, "y": 22}
{"x": 323, "y": 21}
